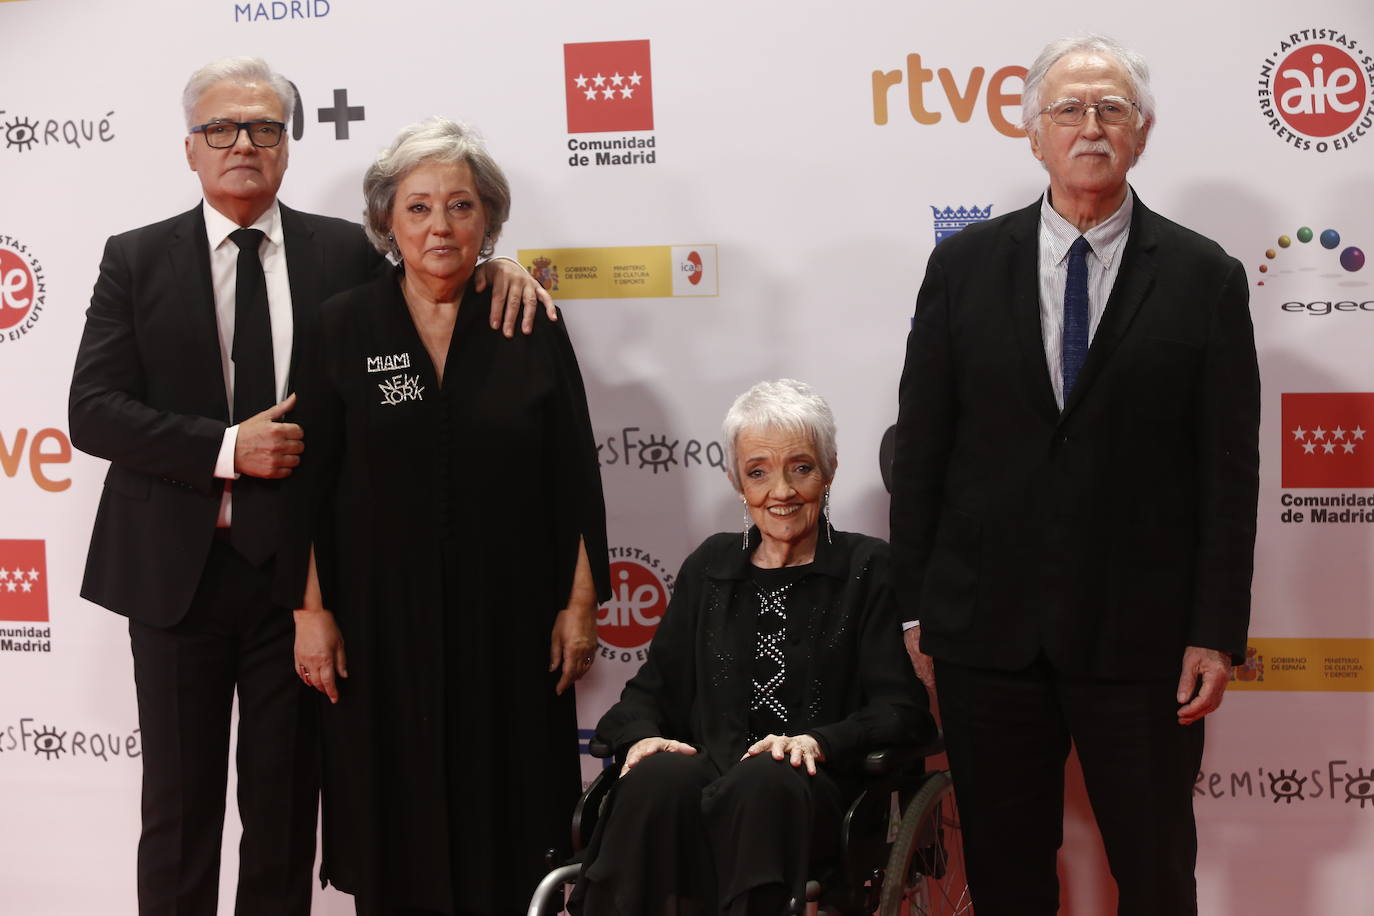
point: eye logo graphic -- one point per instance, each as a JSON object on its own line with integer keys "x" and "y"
{"x": 50, "y": 743}
{"x": 657, "y": 454}
{"x": 1286, "y": 786}
{"x": 609, "y": 86}
{"x": 1360, "y": 787}
{"x": 21, "y": 133}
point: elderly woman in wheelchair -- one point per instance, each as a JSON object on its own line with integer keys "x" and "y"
{"x": 777, "y": 667}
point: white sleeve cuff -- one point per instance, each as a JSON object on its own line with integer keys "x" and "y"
{"x": 909, "y": 624}
{"x": 224, "y": 464}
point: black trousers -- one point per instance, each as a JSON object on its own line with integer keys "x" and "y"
{"x": 1008, "y": 735}
{"x": 231, "y": 639}
{"x": 683, "y": 839}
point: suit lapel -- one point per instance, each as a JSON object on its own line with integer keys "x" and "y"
{"x": 188, "y": 254}
{"x": 304, "y": 270}
{"x": 1023, "y": 240}
{"x": 1133, "y": 282}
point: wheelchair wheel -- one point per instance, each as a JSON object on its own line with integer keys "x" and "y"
{"x": 925, "y": 870}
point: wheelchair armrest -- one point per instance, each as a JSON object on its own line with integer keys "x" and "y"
{"x": 888, "y": 760}
{"x": 598, "y": 748}
{"x": 588, "y": 810}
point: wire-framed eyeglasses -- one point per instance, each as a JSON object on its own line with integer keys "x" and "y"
{"x": 224, "y": 134}
{"x": 1111, "y": 109}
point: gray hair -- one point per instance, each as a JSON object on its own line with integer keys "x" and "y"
{"x": 240, "y": 71}
{"x": 1136, "y": 69}
{"x": 785, "y": 405}
{"x": 434, "y": 140}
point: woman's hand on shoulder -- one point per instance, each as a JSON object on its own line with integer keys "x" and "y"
{"x": 797, "y": 749}
{"x": 515, "y": 295}
{"x": 645, "y": 747}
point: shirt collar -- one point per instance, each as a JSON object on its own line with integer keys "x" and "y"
{"x": 218, "y": 226}
{"x": 1105, "y": 239}
{"x": 831, "y": 558}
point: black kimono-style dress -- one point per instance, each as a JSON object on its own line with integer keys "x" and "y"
{"x": 446, "y": 528}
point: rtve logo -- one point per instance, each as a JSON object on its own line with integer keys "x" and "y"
{"x": 961, "y": 94}
{"x": 48, "y": 446}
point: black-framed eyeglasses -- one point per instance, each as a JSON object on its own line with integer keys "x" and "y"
{"x": 224, "y": 134}
{"x": 1111, "y": 109}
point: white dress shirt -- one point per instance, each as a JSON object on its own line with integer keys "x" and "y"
{"x": 1107, "y": 240}
{"x": 224, "y": 258}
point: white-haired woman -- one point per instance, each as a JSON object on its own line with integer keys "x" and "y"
{"x": 777, "y": 666}
{"x": 459, "y": 552}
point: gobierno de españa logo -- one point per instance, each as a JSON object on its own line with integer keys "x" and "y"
{"x": 1316, "y": 89}
{"x": 22, "y": 289}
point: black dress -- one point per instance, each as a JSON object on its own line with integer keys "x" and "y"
{"x": 701, "y": 834}
{"x": 447, "y": 521}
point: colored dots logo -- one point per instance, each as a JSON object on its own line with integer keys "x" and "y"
{"x": 1351, "y": 258}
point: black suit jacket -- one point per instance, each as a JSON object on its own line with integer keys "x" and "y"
{"x": 1109, "y": 536}
{"x": 148, "y": 394}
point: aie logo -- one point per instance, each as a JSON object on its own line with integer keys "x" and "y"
{"x": 640, "y": 588}
{"x": 1317, "y": 90}
{"x": 21, "y": 289}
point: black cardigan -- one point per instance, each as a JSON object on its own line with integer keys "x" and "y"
{"x": 844, "y": 643}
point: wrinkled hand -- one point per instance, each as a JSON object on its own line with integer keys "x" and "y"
{"x": 266, "y": 448}
{"x": 647, "y": 746}
{"x": 572, "y": 644}
{"x": 1215, "y": 670}
{"x": 800, "y": 748}
{"x": 924, "y": 664}
{"x": 513, "y": 291}
{"x": 320, "y": 651}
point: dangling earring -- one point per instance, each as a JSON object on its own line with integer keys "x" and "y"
{"x": 829, "y": 529}
{"x": 748, "y": 523}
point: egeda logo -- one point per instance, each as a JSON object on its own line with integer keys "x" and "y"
{"x": 1317, "y": 90}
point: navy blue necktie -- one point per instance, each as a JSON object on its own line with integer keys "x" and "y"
{"x": 1075, "y": 314}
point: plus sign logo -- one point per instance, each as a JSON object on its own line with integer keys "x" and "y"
{"x": 22, "y": 289}
{"x": 340, "y": 114}
{"x": 1317, "y": 90}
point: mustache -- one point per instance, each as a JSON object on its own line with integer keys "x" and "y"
{"x": 1092, "y": 147}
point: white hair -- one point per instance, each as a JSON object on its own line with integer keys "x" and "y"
{"x": 240, "y": 71}
{"x": 1032, "y": 100}
{"x": 434, "y": 140}
{"x": 785, "y": 405}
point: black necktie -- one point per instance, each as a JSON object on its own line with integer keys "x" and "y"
{"x": 254, "y": 509}
{"x": 254, "y": 384}
{"x": 1075, "y": 314}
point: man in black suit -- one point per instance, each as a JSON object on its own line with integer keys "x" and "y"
{"x": 1074, "y": 492}
{"x": 181, "y": 381}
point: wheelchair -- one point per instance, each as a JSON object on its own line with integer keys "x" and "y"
{"x": 901, "y": 849}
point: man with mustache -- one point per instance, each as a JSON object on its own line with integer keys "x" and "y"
{"x": 1073, "y": 504}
